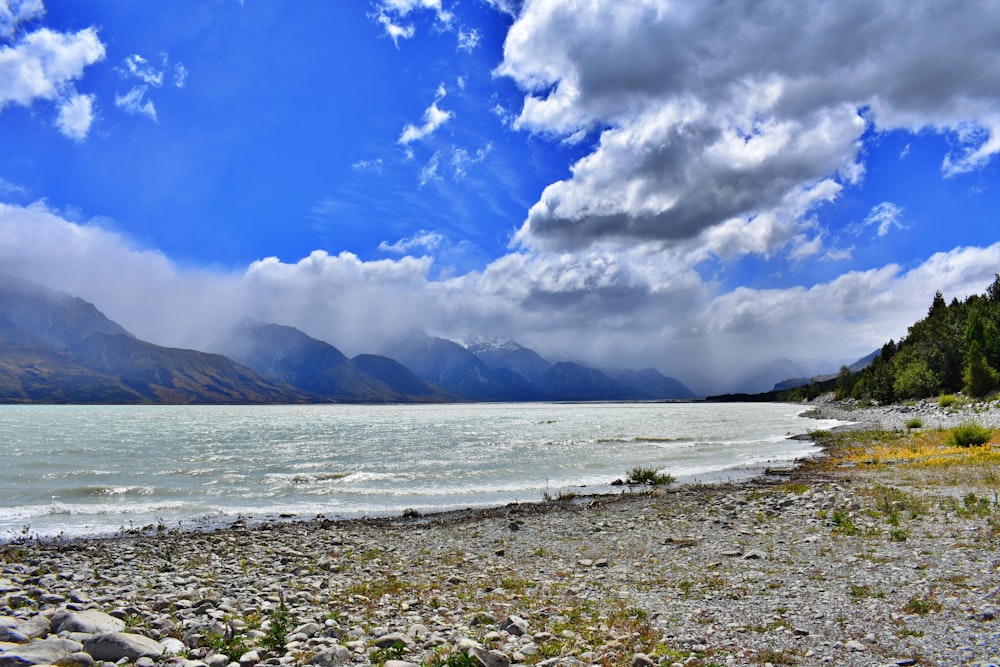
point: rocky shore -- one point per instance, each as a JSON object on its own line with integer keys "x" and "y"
{"x": 829, "y": 563}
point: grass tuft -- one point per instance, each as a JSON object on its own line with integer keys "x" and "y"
{"x": 969, "y": 434}
{"x": 650, "y": 476}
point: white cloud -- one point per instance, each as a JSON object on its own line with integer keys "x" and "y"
{"x": 8, "y": 189}
{"x": 462, "y": 159}
{"x": 75, "y": 116}
{"x": 149, "y": 75}
{"x": 16, "y": 12}
{"x": 135, "y": 102}
{"x": 434, "y": 118}
{"x": 712, "y": 116}
{"x": 422, "y": 241}
{"x": 140, "y": 68}
{"x": 429, "y": 172}
{"x": 886, "y": 216}
{"x": 43, "y": 65}
{"x": 633, "y": 307}
{"x": 392, "y": 15}
{"x": 368, "y": 165}
{"x": 468, "y": 40}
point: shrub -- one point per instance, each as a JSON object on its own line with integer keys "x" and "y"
{"x": 916, "y": 422}
{"x": 651, "y": 476}
{"x": 969, "y": 434}
{"x": 948, "y": 401}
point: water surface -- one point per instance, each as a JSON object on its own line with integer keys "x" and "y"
{"x": 86, "y": 470}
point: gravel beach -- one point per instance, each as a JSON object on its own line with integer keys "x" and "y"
{"x": 829, "y": 562}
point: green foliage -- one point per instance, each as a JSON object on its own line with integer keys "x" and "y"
{"x": 456, "y": 659}
{"x": 969, "y": 434}
{"x": 949, "y": 401}
{"x": 277, "y": 631}
{"x": 650, "y": 476}
{"x": 915, "y": 422}
{"x": 230, "y": 643}
{"x": 914, "y": 380}
{"x": 380, "y": 656}
{"x": 956, "y": 347}
{"x": 979, "y": 378}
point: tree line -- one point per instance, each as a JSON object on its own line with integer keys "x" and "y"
{"x": 955, "y": 348}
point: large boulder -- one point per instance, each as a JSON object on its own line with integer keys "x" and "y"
{"x": 90, "y": 621}
{"x": 113, "y": 646}
{"x": 42, "y": 652}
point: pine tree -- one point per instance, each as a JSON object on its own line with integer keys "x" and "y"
{"x": 979, "y": 378}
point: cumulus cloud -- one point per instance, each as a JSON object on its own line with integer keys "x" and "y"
{"x": 434, "y": 118}
{"x": 76, "y": 114}
{"x": 43, "y": 65}
{"x": 708, "y": 116}
{"x": 606, "y": 306}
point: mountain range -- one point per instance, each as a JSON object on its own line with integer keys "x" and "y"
{"x": 57, "y": 348}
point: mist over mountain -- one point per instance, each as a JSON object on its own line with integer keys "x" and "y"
{"x": 505, "y": 370}
{"x": 57, "y": 348}
{"x": 286, "y": 354}
{"x": 509, "y": 354}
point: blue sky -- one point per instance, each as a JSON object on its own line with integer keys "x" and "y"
{"x": 700, "y": 187}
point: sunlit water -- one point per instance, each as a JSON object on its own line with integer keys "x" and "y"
{"x": 92, "y": 470}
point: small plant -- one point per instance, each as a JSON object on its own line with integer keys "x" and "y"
{"x": 844, "y": 524}
{"x": 649, "y": 476}
{"x": 230, "y": 643}
{"x": 380, "y": 656}
{"x": 948, "y": 401}
{"x": 456, "y": 659}
{"x": 922, "y": 606}
{"x": 913, "y": 423}
{"x": 969, "y": 434}
{"x": 280, "y": 625}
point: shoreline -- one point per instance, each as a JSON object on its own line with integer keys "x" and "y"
{"x": 759, "y": 571}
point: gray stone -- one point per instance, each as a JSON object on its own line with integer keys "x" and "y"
{"x": 250, "y": 658}
{"x": 480, "y": 618}
{"x": 13, "y": 635}
{"x": 854, "y": 645}
{"x": 91, "y": 621}
{"x": 41, "y": 652}
{"x": 487, "y": 658}
{"x": 35, "y": 627}
{"x": 514, "y": 625}
{"x": 308, "y": 629}
{"x": 391, "y": 639}
{"x": 333, "y": 657}
{"x": 81, "y": 659}
{"x": 642, "y": 660}
{"x": 172, "y": 646}
{"x": 400, "y": 663}
{"x": 113, "y": 646}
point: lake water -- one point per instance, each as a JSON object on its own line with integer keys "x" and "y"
{"x": 93, "y": 470}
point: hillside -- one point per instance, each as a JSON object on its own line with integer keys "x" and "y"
{"x": 56, "y": 348}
